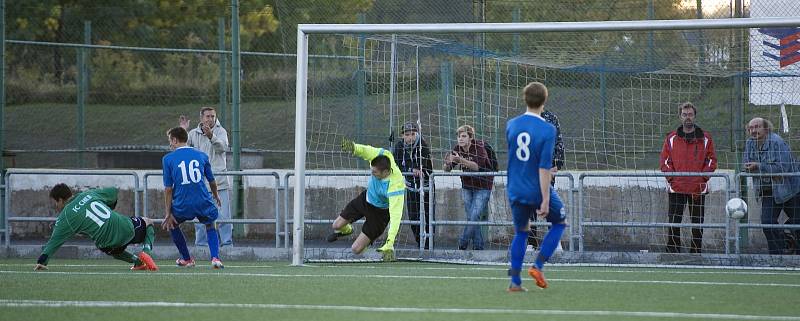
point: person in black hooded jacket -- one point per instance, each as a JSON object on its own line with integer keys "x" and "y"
{"x": 413, "y": 155}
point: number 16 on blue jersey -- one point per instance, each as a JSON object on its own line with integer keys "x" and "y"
{"x": 184, "y": 170}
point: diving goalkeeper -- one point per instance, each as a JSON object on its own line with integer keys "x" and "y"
{"x": 381, "y": 204}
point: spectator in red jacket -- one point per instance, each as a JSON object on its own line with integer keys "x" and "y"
{"x": 687, "y": 149}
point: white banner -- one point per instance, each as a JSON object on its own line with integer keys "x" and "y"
{"x": 774, "y": 56}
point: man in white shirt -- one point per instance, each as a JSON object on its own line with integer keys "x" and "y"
{"x": 211, "y": 138}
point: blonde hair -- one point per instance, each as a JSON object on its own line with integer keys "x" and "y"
{"x": 466, "y": 129}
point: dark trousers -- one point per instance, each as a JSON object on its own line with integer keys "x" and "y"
{"x": 413, "y": 202}
{"x": 532, "y": 239}
{"x": 696, "y": 204}
{"x": 776, "y": 238}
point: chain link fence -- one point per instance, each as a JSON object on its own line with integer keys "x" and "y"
{"x": 153, "y": 61}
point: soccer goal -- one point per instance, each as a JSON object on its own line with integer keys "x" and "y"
{"x": 615, "y": 87}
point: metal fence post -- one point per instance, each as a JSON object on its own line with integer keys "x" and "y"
{"x": 278, "y": 213}
{"x": 728, "y": 194}
{"x": 431, "y": 222}
{"x": 83, "y": 90}
{"x": 580, "y": 211}
{"x": 286, "y": 210}
{"x": 144, "y": 194}
{"x": 223, "y": 73}
{"x": 422, "y": 212}
{"x": 740, "y": 184}
{"x": 3, "y": 182}
{"x": 7, "y": 209}
{"x": 571, "y": 210}
{"x": 2, "y": 205}
{"x": 136, "y": 191}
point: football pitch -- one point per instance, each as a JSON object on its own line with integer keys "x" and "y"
{"x": 107, "y": 290}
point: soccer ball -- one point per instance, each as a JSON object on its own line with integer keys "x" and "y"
{"x": 736, "y": 208}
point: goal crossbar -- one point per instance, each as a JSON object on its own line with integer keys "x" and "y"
{"x": 639, "y": 25}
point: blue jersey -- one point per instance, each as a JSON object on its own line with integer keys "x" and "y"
{"x": 530, "y": 147}
{"x": 184, "y": 170}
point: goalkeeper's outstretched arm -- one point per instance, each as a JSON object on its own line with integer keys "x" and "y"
{"x": 396, "y": 202}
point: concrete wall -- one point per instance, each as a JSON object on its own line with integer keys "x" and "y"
{"x": 605, "y": 200}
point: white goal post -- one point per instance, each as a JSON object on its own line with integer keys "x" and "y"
{"x": 304, "y": 30}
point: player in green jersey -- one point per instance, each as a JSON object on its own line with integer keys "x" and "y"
{"x": 91, "y": 213}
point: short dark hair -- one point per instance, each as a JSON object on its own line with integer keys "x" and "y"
{"x": 685, "y": 106}
{"x": 381, "y": 162}
{"x": 178, "y": 133}
{"x": 60, "y": 192}
{"x": 205, "y": 109}
{"x": 535, "y": 94}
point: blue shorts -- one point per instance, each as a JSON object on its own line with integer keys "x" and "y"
{"x": 524, "y": 213}
{"x": 206, "y": 216}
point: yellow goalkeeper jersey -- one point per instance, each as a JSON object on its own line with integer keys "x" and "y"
{"x": 385, "y": 193}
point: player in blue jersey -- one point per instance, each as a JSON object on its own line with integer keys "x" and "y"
{"x": 530, "y": 158}
{"x": 186, "y": 196}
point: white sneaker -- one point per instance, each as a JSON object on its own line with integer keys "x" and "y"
{"x": 559, "y": 249}
{"x": 184, "y": 263}
{"x": 216, "y": 264}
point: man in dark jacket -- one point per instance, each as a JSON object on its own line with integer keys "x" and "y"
{"x": 687, "y": 149}
{"x": 413, "y": 155}
{"x": 558, "y": 164}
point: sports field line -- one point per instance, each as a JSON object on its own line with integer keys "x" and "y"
{"x": 453, "y": 268}
{"x": 416, "y": 277}
{"x": 128, "y": 265}
{"x": 560, "y": 269}
{"x": 623, "y": 265}
{"x": 118, "y": 304}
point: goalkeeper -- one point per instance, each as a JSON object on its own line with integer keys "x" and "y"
{"x": 381, "y": 204}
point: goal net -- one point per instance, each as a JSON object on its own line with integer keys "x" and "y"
{"x": 615, "y": 88}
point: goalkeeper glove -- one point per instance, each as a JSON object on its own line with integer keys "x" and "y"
{"x": 348, "y": 145}
{"x": 387, "y": 251}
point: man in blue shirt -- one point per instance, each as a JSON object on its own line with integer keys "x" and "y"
{"x": 766, "y": 152}
{"x": 186, "y": 196}
{"x": 530, "y": 157}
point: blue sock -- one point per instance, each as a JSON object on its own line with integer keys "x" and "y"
{"x": 517, "y": 254}
{"x": 180, "y": 242}
{"x": 213, "y": 241}
{"x": 549, "y": 245}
